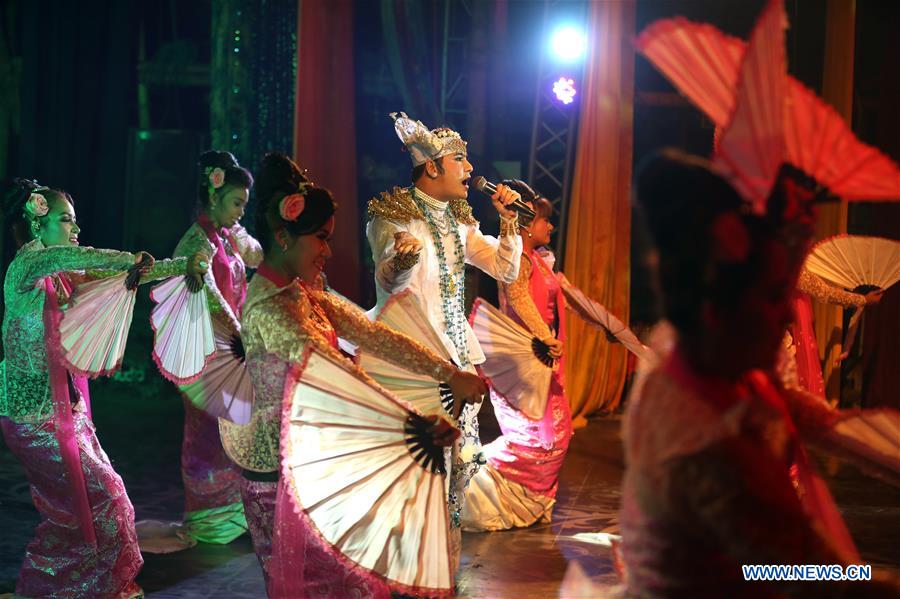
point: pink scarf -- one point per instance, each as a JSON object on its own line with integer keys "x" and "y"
{"x": 541, "y": 284}
{"x": 62, "y": 411}
{"x": 221, "y": 263}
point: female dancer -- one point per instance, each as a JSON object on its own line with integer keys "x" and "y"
{"x": 517, "y": 486}
{"x": 287, "y": 309}
{"x": 85, "y": 545}
{"x": 716, "y": 475}
{"x": 213, "y": 512}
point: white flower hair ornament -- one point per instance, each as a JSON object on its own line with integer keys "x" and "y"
{"x": 425, "y": 144}
{"x": 36, "y": 205}
{"x": 216, "y": 177}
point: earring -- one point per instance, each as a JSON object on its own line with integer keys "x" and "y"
{"x": 530, "y": 235}
{"x": 35, "y": 229}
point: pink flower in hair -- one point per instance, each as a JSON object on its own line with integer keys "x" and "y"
{"x": 291, "y": 207}
{"x": 37, "y": 205}
{"x": 217, "y": 178}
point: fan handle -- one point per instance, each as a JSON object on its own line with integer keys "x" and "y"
{"x": 542, "y": 352}
{"x": 421, "y": 444}
{"x": 134, "y": 273}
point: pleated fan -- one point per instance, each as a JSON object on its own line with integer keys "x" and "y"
{"x": 224, "y": 389}
{"x": 183, "y": 341}
{"x": 852, "y": 261}
{"x": 703, "y": 63}
{"x": 95, "y": 324}
{"x": 873, "y": 435}
{"x": 598, "y": 316}
{"x": 366, "y": 472}
{"x": 517, "y": 363}
{"x": 820, "y": 142}
{"x": 403, "y": 313}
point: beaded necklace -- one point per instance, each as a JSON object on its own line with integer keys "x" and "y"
{"x": 451, "y": 283}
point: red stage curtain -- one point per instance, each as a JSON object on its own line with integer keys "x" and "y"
{"x": 598, "y": 233}
{"x": 325, "y": 127}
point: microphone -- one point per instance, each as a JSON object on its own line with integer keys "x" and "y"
{"x": 488, "y": 188}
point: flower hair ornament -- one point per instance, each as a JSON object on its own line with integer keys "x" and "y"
{"x": 292, "y": 206}
{"x": 426, "y": 144}
{"x": 216, "y": 177}
{"x": 36, "y": 205}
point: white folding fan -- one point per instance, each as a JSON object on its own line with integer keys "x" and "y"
{"x": 366, "y": 472}
{"x": 598, "y": 316}
{"x": 852, "y": 261}
{"x": 183, "y": 342}
{"x": 224, "y": 389}
{"x": 94, "y": 327}
{"x": 404, "y": 314}
{"x": 517, "y": 363}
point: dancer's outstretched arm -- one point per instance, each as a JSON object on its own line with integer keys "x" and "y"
{"x": 31, "y": 265}
{"x": 819, "y": 290}
{"x": 401, "y": 350}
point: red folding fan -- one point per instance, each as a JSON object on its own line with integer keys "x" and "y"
{"x": 751, "y": 147}
{"x": 704, "y": 64}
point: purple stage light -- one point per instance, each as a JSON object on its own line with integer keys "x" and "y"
{"x": 564, "y": 90}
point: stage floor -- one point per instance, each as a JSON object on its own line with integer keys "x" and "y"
{"x": 141, "y": 432}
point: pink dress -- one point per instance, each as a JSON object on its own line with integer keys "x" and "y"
{"x": 517, "y": 487}
{"x": 213, "y": 509}
{"x": 85, "y": 544}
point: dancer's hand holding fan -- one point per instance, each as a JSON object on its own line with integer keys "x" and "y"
{"x": 367, "y": 471}
{"x": 202, "y": 354}
{"x": 732, "y": 84}
{"x": 404, "y": 314}
{"x": 183, "y": 342}
{"x": 856, "y": 263}
{"x": 518, "y": 364}
{"x": 95, "y": 325}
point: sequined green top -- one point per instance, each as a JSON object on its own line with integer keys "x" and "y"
{"x": 25, "y": 393}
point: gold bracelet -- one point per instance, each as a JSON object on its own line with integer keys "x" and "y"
{"x": 401, "y": 262}
{"x": 509, "y": 226}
